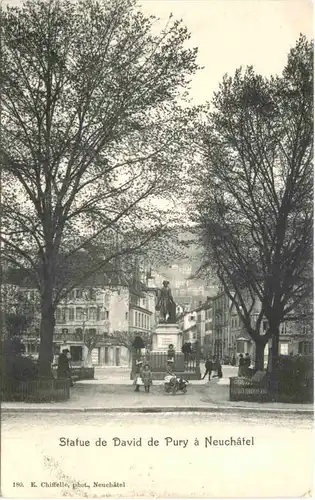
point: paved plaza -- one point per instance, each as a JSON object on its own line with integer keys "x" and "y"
{"x": 112, "y": 390}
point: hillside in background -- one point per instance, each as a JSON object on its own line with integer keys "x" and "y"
{"x": 187, "y": 290}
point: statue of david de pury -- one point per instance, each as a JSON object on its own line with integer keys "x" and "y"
{"x": 165, "y": 304}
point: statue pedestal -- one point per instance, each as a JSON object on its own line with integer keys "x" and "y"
{"x": 166, "y": 334}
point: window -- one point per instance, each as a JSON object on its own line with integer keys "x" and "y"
{"x": 71, "y": 295}
{"x": 106, "y": 314}
{"x": 284, "y": 348}
{"x": 32, "y": 348}
{"x": 98, "y": 313}
{"x": 92, "y": 294}
{"x": 79, "y": 314}
{"x": 58, "y": 314}
{"x": 126, "y": 315}
{"x": 92, "y": 313}
{"x": 305, "y": 348}
{"x": 64, "y": 314}
{"x": 78, "y": 333}
{"x": 64, "y": 331}
{"x": 265, "y": 326}
{"x": 71, "y": 314}
{"x": 79, "y": 294}
{"x": 240, "y": 346}
{"x": 91, "y": 332}
{"x": 136, "y": 318}
{"x": 76, "y": 353}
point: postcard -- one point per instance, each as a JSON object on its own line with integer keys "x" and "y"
{"x": 156, "y": 240}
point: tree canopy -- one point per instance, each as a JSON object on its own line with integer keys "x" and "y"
{"x": 93, "y": 133}
{"x": 254, "y": 207}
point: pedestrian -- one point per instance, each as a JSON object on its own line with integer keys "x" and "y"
{"x": 63, "y": 369}
{"x": 241, "y": 366}
{"x": 233, "y": 362}
{"x": 247, "y": 360}
{"x": 208, "y": 367}
{"x": 186, "y": 349}
{"x": 138, "y": 378}
{"x": 217, "y": 367}
{"x": 146, "y": 377}
{"x": 247, "y": 363}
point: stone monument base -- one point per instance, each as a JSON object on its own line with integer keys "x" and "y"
{"x": 166, "y": 334}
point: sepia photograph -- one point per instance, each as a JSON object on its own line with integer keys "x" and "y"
{"x": 156, "y": 248}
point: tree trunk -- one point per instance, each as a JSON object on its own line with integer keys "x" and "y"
{"x": 259, "y": 355}
{"x": 46, "y": 332}
{"x": 89, "y": 363}
{"x": 274, "y": 354}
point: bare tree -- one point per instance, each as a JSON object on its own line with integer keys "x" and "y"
{"x": 90, "y": 338}
{"x": 255, "y": 197}
{"x": 126, "y": 339}
{"x": 93, "y": 135}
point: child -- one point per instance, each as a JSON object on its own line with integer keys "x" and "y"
{"x": 138, "y": 377}
{"x": 171, "y": 353}
{"x": 146, "y": 378}
{"x": 171, "y": 356}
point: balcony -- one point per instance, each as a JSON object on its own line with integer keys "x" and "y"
{"x": 77, "y": 337}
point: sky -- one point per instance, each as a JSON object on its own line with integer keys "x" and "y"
{"x": 233, "y": 33}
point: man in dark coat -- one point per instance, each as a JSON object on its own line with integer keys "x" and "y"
{"x": 247, "y": 363}
{"x": 63, "y": 370}
{"x": 209, "y": 367}
{"x": 186, "y": 350}
{"x": 241, "y": 366}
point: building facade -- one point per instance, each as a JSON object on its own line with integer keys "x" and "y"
{"x": 230, "y": 338}
{"x": 187, "y": 323}
{"x": 104, "y": 316}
